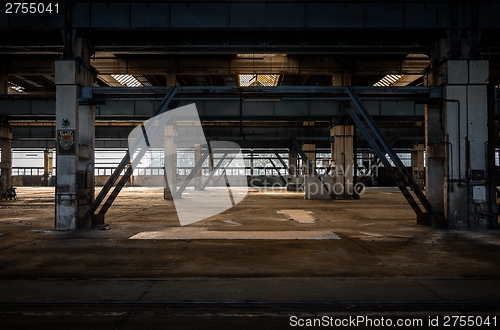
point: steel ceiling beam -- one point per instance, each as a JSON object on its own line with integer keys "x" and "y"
{"x": 280, "y": 65}
{"x": 268, "y": 15}
{"x": 222, "y": 103}
{"x": 291, "y": 27}
{"x": 312, "y": 91}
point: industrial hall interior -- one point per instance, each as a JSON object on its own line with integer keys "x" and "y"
{"x": 233, "y": 164}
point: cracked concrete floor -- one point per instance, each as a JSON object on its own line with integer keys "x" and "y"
{"x": 379, "y": 237}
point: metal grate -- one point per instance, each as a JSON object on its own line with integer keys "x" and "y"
{"x": 143, "y": 80}
{"x": 126, "y": 80}
{"x": 258, "y": 80}
{"x": 388, "y": 80}
{"x": 15, "y": 87}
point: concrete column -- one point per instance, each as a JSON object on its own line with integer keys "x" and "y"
{"x": 343, "y": 148}
{"x": 251, "y": 164}
{"x": 462, "y": 150}
{"x": 6, "y": 154}
{"x": 197, "y": 176}
{"x": 435, "y": 145}
{"x": 211, "y": 162}
{"x": 292, "y": 163}
{"x": 5, "y": 142}
{"x": 211, "y": 165}
{"x": 435, "y": 153}
{"x": 47, "y": 166}
{"x": 75, "y": 139}
{"x": 343, "y": 160}
{"x": 310, "y": 151}
{"x": 417, "y": 164}
{"x": 170, "y": 160}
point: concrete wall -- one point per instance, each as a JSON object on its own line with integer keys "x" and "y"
{"x": 153, "y": 181}
{"x": 31, "y": 180}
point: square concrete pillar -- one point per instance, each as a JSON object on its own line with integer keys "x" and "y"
{"x": 417, "y": 165}
{"x": 5, "y": 142}
{"x": 211, "y": 165}
{"x": 456, "y": 142}
{"x": 170, "y": 162}
{"x": 75, "y": 145}
{"x": 47, "y": 166}
{"x": 343, "y": 160}
{"x": 436, "y": 150}
{"x": 6, "y": 154}
{"x": 197, "y": 176}
{"x": 75, "y": 139}
{"x": 310, "y": 151}
{"x": 292, "y": 163}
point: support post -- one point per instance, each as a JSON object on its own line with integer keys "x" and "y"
{"x": 310, "y": 151}
{"x": 435, "y": 153}
{"x": 47, "y": 166}
{"x": 343, "y": 159}
{"x": 197, "y": 176}
{"x": 75, "y": 138}
{"x": 210, "y": 168}
{"x": 342, "y": 149}
{"x": 457, "y": 174}
{"x": 251, "y": 164}
{"x": 466, "y": 118}
{"x": 417, "y": 164}
{"x": 5, "y": 142}
{"x": 6, "y": 146}
{"x": 292, "y": 163}
{"x": 170, "y": 162}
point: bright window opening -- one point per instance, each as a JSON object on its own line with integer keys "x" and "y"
{"x": 258, "y": 80}
{"x": 15, "y": 87}
{"x": 388, "y": 80}
{"x": 127, "y": 80}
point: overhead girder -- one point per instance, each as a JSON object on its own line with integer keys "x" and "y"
{"x": 224, "y": 42}
{"x": 255, "y": 136}
{"x": 223, "y": 103}
{"x": 280, "y": 65}
{"x": 260, "y": 14}
{"x": 217, "y": 110}
{"x": 291, "y": 27}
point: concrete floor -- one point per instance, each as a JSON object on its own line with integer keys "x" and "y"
{"x": 383, "y": 264}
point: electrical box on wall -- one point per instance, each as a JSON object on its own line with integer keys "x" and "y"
{"x": 479, "y": 194}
